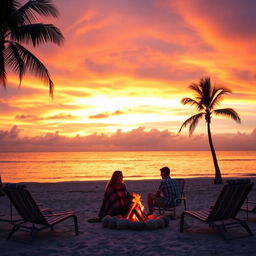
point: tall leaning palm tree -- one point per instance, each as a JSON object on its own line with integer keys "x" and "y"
{"x": 19, "y": 25}
{"x": 206, "y": 99}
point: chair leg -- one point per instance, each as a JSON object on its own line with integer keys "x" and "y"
{"x": 76, "y": 225}
{"x": 33, "y": 233}
{"x": 14, "y": 229}
{"x": 246, "y": 227}
{"x": 185, "y": 204}
{"x": 182, "y": 221}
{"x": 221, "y": 229}
{"x": 247, "y": 213}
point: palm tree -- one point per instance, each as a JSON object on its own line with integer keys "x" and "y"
{"x": 17, "y": 26}
{"x": 206, "y": 99}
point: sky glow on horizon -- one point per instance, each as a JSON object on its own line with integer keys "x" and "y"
{"x": 127, "y": 64}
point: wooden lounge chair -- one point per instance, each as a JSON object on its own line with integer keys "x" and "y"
{"x": 25, "y": 205}
{"x": 226, "y": 207}
{"x": 178, "y": 200}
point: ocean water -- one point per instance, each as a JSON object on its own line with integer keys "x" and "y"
{"x": 80, "y": 166}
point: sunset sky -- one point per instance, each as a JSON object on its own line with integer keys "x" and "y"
{"x": 123, "y": 70}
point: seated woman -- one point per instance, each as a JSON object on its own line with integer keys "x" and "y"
{"x": 116, "y": 199}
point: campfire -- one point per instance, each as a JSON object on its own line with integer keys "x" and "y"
{"x": 135, "y": 212}
{"x": 135, "y": 219}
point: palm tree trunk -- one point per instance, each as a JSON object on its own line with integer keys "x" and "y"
{"x": 218, "y": 178}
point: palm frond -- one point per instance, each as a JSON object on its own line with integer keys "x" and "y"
{"x": 192, "y": 102}
{"x": 7, "y": 8}
{"x": 15, "y": 61}
{"x": 38, "y": 34}
{"x": 196, "y": 88}
{"x": 27, "y": 12}
{"x": 2, "y": 69}
{"x": 35, "y": 66}
{"x": 192, "y": 121}
{"x": 16, "y": 26}
{"x": 229, "y": 112}
{"x": 206, "y": 88}
{"x": 217, "y": 94}
{"x": 7, "y": 17}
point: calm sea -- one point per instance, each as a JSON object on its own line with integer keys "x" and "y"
{"x": 79, "y": 166}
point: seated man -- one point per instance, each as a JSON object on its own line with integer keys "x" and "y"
{"x": 166, "y": 194}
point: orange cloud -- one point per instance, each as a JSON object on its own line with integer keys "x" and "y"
{"x": 106, "y": 115}
{"x": 27, "y": 118}
{"x": 98, "y": 116}
{"x": 135, "y": 140}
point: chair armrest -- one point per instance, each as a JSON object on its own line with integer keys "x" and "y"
{"x": 49, "y": 210}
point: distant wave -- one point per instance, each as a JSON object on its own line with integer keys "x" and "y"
{"x": 248, "y": 174}
{"x": 12, "y": 161}
{"x": 33, "y": 161}
{"x": 136, "y": 176}
{"x": 71, "y": 161}
{"x": 195, "y": 175}
{"x": 51, "y": 161}
{"x": 238, "y": 159}
{"x": 42, "y": 161}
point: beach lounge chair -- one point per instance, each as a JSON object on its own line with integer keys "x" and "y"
{"x": 33, "y": 219}
{"x": 178, "y": 200}
{"x": 226, "y": 207}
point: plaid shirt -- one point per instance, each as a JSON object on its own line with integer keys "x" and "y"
{"x": 116, "y": 201}
{"x": 170, "y": 191}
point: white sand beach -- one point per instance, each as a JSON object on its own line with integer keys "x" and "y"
{"x": 85, "y": 199}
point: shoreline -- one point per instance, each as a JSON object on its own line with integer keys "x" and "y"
{"x": 225, "y": 178}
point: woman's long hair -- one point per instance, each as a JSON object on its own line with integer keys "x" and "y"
{"x": 113, "y": 179}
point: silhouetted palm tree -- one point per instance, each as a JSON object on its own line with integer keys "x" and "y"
{"x": 207, "y": 98}
{"x": 18, "y": 25}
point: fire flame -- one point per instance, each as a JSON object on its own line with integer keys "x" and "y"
{"x": 137, "y": 199}
{"x": 136, "y": 209}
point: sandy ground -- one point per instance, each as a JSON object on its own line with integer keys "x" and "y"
{"x": 85, "y": 199}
